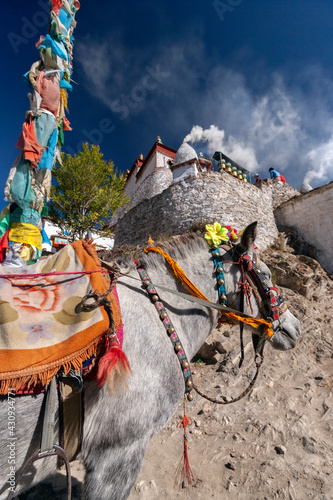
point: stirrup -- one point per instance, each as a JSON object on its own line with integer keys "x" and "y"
{"x": 56, "y": 451}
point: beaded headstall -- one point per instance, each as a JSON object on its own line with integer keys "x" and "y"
{"x": 270, "y": 301}
{"x": 185, "y": 365}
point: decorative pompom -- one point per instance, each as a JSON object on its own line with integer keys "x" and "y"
{"x": 115, "y": 369}
{"x": 150, "y": 241}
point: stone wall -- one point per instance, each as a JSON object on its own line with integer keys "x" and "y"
{"x": 157, "y": 182}
{"x": 311, "y": 214}
{"x": 208, "y": 198}
{"x": 280, "y": 191}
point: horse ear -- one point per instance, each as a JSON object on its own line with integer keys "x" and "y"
{"x": 248, "y": 236}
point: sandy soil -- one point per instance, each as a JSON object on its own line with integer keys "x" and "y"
{"x": 276, "y": 442}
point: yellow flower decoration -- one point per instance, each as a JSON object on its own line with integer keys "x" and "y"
{"x": 216, "y": 233}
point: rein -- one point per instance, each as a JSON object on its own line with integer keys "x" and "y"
{"x": 184, "y": 363}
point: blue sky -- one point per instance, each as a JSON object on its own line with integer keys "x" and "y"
{"x": 254, "y": 78}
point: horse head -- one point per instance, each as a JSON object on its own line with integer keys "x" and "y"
{"x": 263, "y": 299}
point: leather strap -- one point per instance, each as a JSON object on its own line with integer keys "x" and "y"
{"x": 202, "y": 302}
{"x": 72, "y": 416}
{"x": 48, "y": 422}
{"x": 47, "y": 447}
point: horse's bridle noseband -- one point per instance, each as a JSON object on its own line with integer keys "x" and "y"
{"x": 271, "y": 302}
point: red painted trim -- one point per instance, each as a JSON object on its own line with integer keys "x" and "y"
{"x": 137, "y": 164}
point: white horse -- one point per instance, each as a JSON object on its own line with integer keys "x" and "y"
{"x": 117, "y": 429}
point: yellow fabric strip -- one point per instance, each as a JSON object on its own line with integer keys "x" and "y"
{"x": 5, "y": 211}
{"x": 63, "y": 97}
{"x": 179, "y": 273}
{"x": 21, "y": 232}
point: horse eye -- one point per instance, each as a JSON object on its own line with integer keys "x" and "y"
{"x": 265, "y": 273}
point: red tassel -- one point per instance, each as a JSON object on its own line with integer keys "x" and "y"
{"x": 114, "y": 358}
{"x": 184, "y": 474}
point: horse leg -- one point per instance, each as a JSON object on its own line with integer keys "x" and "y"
{"x": 112, "y": 473}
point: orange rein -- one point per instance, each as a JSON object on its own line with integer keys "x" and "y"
{"x": 179, "y": 273}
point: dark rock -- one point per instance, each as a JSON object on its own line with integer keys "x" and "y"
{"x": 280, "y": 450}
{"x": 308, "y": 444}
{"x": 230, "y": 465}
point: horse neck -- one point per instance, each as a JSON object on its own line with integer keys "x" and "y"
{"x": 193, "y": 322}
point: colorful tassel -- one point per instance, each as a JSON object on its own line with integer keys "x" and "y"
{"x": 115, "y": 369}
{"x": 184, "y": 474}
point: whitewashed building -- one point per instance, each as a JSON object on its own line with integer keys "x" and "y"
{"x": 157, "y": 158}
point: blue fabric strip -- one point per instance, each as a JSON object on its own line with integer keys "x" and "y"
{"x": 218, "y": 267}
{"x": 58, "y": 48}
{"x": 46, "y": 161}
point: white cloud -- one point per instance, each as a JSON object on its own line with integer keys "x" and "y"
{"x": 276, "y": 128}
{"x": 271, "y": 128}
{"x": 258, "y": 132}
{"x": 95, "y": 64}
{"x": 273, "y": 120}
{"x": 321, "y": 159}
{"x": 216, "y": 141}
{"x": 104, "y": 66}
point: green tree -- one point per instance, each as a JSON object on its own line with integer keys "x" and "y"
{"x": 87, "y": 192}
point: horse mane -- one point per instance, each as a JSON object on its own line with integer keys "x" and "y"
{"x": 183, "y": 246}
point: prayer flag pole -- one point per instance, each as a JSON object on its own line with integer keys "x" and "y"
{"x": 29, "y": 181}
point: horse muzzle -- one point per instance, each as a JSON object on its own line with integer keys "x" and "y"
{"x": 286, "y": 333}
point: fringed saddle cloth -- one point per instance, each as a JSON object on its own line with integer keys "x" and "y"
{"x": 43, "y": 326}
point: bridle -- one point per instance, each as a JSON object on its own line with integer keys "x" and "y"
{"x": 271, "y": 305}
{"x": 270, "y": 301}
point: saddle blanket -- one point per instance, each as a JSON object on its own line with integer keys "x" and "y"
{"x": 43, "y": 325}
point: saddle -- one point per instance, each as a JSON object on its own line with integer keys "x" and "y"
{"x": 46, "y": 321}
